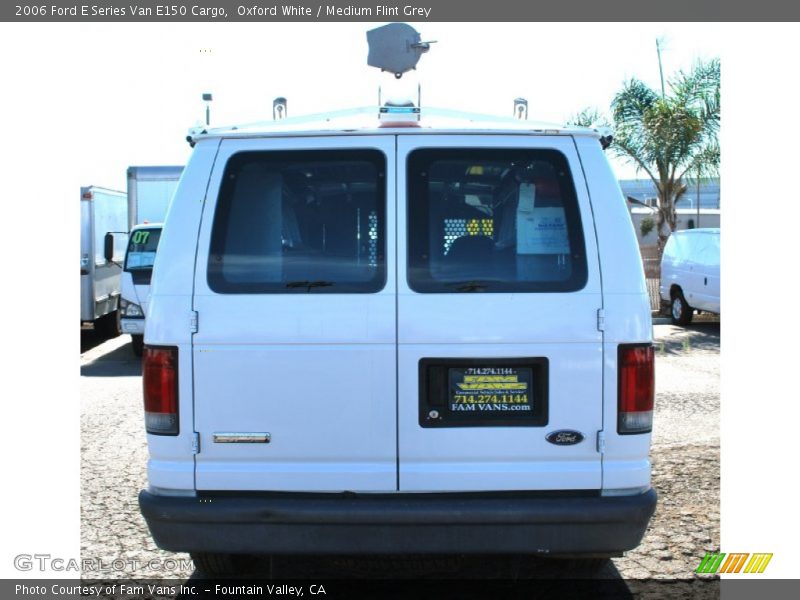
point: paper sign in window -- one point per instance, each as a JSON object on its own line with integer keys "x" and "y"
{"x": 541, "y": 231}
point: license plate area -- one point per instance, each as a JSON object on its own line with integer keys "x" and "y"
{"x": 489, "y": 392}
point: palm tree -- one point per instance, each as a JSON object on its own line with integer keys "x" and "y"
{"x": 670, "y": 137}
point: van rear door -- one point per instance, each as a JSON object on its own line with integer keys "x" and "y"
{"x": 295, "y": 352}
{"x": 499, "y": 349}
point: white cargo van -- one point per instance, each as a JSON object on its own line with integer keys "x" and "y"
{"x": 136, "y": 275}
{"x": 427, "y": 338}
{"x": 690, "y": 273}
{"x": 401, "y": 331}
{"x": 150, "y": 190}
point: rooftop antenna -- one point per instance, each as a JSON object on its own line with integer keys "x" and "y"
{"x": 279, "y": 108}
{"x": 207, "y": 98}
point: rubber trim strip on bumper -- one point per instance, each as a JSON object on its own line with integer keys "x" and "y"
{"x": 414, "y": 523}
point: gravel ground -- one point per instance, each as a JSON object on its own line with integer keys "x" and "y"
{"x": 113, "y": 470}
{"x": 685, "y": 456}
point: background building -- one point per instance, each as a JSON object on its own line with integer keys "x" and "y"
{"x": 699, "y": 206}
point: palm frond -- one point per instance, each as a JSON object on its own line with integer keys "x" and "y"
{"x": 589, "y": 117}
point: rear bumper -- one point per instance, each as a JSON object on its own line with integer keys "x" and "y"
{"x": 405, "y": 523}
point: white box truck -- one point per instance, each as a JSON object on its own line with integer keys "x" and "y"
{"x": 103, "y": 239}
{"x": 150, "y": 191}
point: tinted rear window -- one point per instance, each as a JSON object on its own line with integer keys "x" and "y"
{"x": 300, "y": 222}
{"x": 493, "y": 220}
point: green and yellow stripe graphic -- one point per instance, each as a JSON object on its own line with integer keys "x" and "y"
{"x": 717, "y": 563}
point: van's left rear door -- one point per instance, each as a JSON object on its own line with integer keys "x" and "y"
{"x": 295, "y": 352}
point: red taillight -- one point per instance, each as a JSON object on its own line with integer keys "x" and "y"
{"x": 160, "y": 375}
{"x": 636, "y": 388}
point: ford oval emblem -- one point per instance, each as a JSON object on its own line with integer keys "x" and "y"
{"x": 565, "y": 437}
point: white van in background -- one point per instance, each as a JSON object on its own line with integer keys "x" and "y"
{"x": 690, "y": 273}
{"x": 150, "y": 191}
{"x": 136, "y": 274}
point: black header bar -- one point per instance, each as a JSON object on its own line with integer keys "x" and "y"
{"x": 88, "y": 11}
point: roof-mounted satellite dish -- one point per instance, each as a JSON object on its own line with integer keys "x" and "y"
{"x": 396, "y": 48}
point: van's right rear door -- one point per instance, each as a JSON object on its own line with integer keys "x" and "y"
{"x": 500, "y": 358}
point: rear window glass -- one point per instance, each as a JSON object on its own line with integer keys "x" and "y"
{"x": 493, "y": 220}
{"x": 300, "y": 222}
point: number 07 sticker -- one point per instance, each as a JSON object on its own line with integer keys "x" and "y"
{"x": 141, "y": 237}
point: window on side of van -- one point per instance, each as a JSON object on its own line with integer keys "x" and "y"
{"x": 493, "y": 220}
{"x": 709, "y": 251}
{"x": 300, "y": 222}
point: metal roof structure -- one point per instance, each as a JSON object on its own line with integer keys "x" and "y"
{"x": 365, "y": 120}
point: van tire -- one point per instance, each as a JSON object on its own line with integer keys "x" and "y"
{"x": 214, "y": 564}
{"x": 679, "y": 309}
{"x": 137, "y": 345}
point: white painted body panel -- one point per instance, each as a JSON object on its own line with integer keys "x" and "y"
{"x": 150, "y": 192}
{"x": 136, "y": 293}
{"x": 504, "y": 458}
{"x": 691, "y": 261}
{"x": 626, "y": 307}
{"x": 171, "y": 463}
{"x": 257, "y": 360}
{"x": 102, "y": 211}
{"x": 317, "y": 372}
{"x": 561, "y": 327}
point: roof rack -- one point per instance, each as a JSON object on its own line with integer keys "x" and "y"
{"x": 366, "y": 118}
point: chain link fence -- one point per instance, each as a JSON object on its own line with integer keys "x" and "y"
{"x": 652, "y": 272}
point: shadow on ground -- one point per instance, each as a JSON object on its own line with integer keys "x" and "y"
{"x": 471, "y": 569}
{"x": 451, "y": 578}
{"x": 115, "y": 361}
{"x": 90, "y": 339}
{"x": 703, "y": 336}
{"x": 436, "y": 567}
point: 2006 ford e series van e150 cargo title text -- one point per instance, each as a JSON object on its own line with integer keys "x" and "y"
{"x": 415, "y": 334}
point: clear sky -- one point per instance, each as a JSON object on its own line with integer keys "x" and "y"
{"x": 134, "y": 89}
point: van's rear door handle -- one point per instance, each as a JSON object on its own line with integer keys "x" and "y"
{"x": 242, "y": 437}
